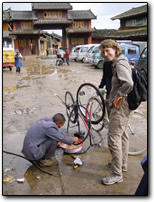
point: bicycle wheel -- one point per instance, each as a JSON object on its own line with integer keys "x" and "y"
{"x": 137, "y": 131}
{"x": 69, "y": 101}
{"x": 81, "y": 127}
{"x": 89, "y": 96}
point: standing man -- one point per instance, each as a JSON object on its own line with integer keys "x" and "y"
{"x": 67, "y": 55}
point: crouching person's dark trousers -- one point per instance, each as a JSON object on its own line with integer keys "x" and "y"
{"x": 49, "y": 147}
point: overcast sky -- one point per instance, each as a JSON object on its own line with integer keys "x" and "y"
{"x": 103, "y": 11}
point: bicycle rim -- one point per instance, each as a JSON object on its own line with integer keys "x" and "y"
{"x": 81, "y": 126}
{"x": 89, "y": 96}
{"x": 69, "y": 101}
{"x": 137, "y": 131}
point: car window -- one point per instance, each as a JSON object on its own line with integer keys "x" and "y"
{"x": 95, "y": 49}
{"x": 76, "y": 50}
{"x": 144, "y": 54}
{"x": 90, "y": 49}
{"x": 132, "y": 51}
{"x": 84, "y": 49}
{"x": 122, "y": 50}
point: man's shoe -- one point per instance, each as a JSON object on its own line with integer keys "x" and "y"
{"x": 112, "y": 179}
{"x": 48, "y": 163}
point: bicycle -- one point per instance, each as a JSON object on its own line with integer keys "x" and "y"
{"x": 138, "y": 121}
{"x": 79, "y": 120}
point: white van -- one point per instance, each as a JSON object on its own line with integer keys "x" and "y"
{"x": 74, "y": 52}
{"x": 91, "y": 51}
{"x": 83, "y": 51}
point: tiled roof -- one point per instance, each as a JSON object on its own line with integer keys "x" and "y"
{"x": 6, "y": 16}
{"x": 131, "y": 33}
{"x": 23, "y": 15}
{"x": 27, "y": 32}
{"x": 80, "y": 30}
{"x": 81, "y": 14}
{"x": 47, "y": 6}
{"x": 52, "y": 21}
{"x": 131, "y": 12}
{"x": 99, "y": 33}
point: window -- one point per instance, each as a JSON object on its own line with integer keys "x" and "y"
{"x": 131, "y": 51}
{"x": 78, "y": 24}
{"x": 22, "y": 43}
{"x": 144, "y": 54}
{"x": 123, "y": 51}
{"x": 77, "y": 41}
{"x": 84, "y": 49}
{"x": 26, "y": 25}
{"x": 52, "y": 14}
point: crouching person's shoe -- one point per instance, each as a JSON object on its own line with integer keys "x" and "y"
{"x": 48, "y": 162}
{"x": 112, "y": 179}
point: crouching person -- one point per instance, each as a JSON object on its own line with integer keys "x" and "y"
{"x": 41, "y": 140}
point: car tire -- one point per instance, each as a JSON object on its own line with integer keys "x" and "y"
{"x": 100, "y": 64}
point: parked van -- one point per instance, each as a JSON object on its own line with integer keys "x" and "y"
{"x": 129, "y": 50}
{"x": 90, "y": 53}
{"x": 82, "y": 52}
{"x": 132, "y": 52}
{"x": 74, "y": 52}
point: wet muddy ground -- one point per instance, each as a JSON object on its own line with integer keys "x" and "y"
{"x": 30, "y": 95}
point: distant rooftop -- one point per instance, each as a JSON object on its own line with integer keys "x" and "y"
{"x": 132, "y": 12}
{"x": 47, "y": 6}
{"x": 23, "y": 15}
{"x": 81, "y": 14}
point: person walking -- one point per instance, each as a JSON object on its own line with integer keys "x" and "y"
{"x": 67, "y": 56}
{"x": 42, "y": 138}
{"x": 18, "y": 61}
{"x": 121, "y": 85}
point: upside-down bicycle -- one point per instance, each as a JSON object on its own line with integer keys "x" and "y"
{"x": 89, "y": 112}
{"x": 137, "y": 127}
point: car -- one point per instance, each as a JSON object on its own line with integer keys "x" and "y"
{"x": 90, "y": 53}
{"x": 142, "y": 63}
{"x": 98, "y": 60}
{"x": 74, "y": 52}
{"x": 129, "y": 50}
{"x": 83, "y": 51}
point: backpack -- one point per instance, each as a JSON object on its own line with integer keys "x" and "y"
{"x": 139, "y": 92}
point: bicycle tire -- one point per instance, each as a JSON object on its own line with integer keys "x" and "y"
{"x": 84, "y": 93}
{"x": 80, "y": 122}
{"x": 69, "y": 101}
{"x": 137, "y": 131}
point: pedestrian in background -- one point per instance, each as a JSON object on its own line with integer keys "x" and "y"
{"x": 18, "y": 61}
{"x": 62, "y": 53}
{"x": 121, "y": 85}
{"x": 67, "y": 54}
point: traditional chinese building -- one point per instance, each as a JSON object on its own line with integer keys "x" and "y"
{"x": 133, "y": 24}
{"x": 27, "y": 26}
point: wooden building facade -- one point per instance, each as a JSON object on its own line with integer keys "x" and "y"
{"x": 27, "y": 26}
{"x": 133, "y": 24}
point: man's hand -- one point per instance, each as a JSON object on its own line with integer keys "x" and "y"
{"x": 75, "y": 139}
